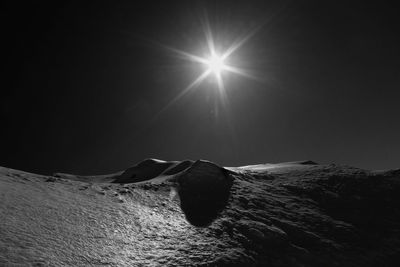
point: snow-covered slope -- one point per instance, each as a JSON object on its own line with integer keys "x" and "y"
{"x": 187, "y": 213}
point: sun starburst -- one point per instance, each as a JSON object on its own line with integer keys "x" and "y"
{"x": 215, "y": 62}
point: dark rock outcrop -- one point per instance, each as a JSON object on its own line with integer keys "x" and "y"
{"x": 204, "y": 190}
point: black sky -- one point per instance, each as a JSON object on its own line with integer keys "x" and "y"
{"x": 84, "y": 84}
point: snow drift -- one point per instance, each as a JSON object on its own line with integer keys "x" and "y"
{"x": 174, "y": 213}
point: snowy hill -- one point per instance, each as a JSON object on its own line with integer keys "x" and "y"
{"x": 160, "y": 213}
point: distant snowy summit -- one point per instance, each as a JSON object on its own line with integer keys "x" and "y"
{"x": 156, "y": 170}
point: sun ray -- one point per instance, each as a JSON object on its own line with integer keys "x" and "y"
{"x": 222, "y": 91}
{"x": 220, "y": 82}
{"x": 209, "y": 36}
{"x": 187, "y": 55}
{"x": 195, "y": 83}
{"x": 241, "y": 72}
{"x": 240, "y": 42}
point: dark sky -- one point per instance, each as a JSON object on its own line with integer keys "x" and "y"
{"x": 84, "y": 84}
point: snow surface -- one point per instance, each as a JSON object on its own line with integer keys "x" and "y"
{"x": 157, "y": 213}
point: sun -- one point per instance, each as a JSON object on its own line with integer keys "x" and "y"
{"x": 215, "y": 64}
